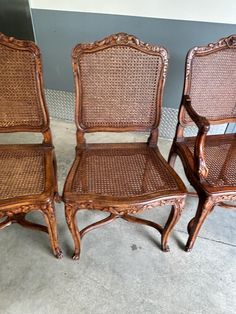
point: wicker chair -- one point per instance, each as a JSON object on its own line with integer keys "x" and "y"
{"x": 209, "y": 97}
{"x": 119, "y": 85}
{"x": 27, "y": 171}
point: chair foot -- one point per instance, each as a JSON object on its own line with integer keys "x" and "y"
{"x": 76, "y": 256}
{"x": 58, "y": 253}
{"x": 188, "y": 249}
{"x": 165, "y": 248}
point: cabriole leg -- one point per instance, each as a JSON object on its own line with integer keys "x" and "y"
{"x": 50, "y": 218}
{"x": 171, "y": 222}
{"x": 70, "y": 212}
{"x": 205, "y": 206}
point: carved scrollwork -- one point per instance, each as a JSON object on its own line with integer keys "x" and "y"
{"x": 19, "y": 210}
{"x": 25, "y": 209}
{"x": 231, "y": 41}
{"x": 131, "y": 209}
{"x": 202, "y": 168}
{"x": 126, "y": 40}
{"x": 49, "y": 209}
{"x": 228, "y": 42}
{"x": 121, "y": 39}
{"x": 20, "y": 44}
{"x": 189, "y": 61}
{"x": 224, "y": 198}
{"x": 69, "y": 211}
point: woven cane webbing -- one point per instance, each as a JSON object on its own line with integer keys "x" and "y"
{"x": 22, "y": 173}
{"x": 221, "y": 162}
{"x": 213, "y": 85}
{"x": 119, "y": 87}
{"x": 122, "y": 172}
{"x": 19, "y": 100}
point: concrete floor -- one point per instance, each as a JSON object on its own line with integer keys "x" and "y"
{"x": 122, "y": 269}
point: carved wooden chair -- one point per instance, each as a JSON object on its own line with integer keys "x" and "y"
{"x": 27, "y": 171}
{"x": 119, "y": 86}
{"x": 209, "y": 98}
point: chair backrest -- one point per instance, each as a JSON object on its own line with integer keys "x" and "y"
{"x": 22, "y": 104}
{"x": 119, "y": 84}
{"x": 210, "y": 81}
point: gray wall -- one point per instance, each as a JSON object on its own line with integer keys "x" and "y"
{"x": 58, "y": 31}
{"x": 15, "y": 19}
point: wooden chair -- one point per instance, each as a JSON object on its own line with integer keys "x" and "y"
{"x": 209, "y": 98}
{"x": 27, "y": 171}
{"x": 119, "y": 86}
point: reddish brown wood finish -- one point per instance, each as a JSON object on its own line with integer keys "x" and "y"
{"x": 28, "y": 170}
{"x": 209, "y": 160}
{"x": 89, "y": 185}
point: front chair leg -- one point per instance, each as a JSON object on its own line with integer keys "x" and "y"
{"x": 174, "y": 216}
{"x": 205, "y": 206}
{"x": 70, "y": 212}
{"x": 50, "y": 218}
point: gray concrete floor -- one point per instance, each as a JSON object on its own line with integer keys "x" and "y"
{"x": 122, "y": 269}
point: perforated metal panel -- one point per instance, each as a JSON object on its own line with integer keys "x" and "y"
{"x": 215, "y": 129}
{"x": 62, "y": 106}
{"x": 169, "y": 118}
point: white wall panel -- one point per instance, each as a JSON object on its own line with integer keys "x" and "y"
{"x": 223, "y": 11}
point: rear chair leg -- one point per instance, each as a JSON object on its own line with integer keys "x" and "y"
{"x": 57, "y": 197}
{"x": 172, "y": 157}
